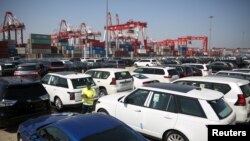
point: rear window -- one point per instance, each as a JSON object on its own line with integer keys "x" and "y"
{"x": 8, "y": 66}
{"x": 82, "y": 82}
{"x": 173, "y": 72}
{"x": 122, "y": 75}
{"x": 198, "y": 66}
{"x": 57, "y": 64}
{"x": 26, "y": 68}
{"x": 246, "y": 90}
{"x": 25, "y": 91}
{"x": 221, "y": 108}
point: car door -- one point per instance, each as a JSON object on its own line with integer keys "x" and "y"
{"x": 161, "y": 114}
{"x": 46, "y": 81}
{"x": 132, "y": 109}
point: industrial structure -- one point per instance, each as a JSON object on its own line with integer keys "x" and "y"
{"x": 127, "y": 39}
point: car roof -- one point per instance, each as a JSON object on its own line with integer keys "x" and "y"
{"x": 237, "y": 72}
{"x": 214, "y": 79}
{"x": 27, "y": 64}
{"x": 184, "y": 90}
{"x": 109, "y": 69}
{"x": 12, "y": 80}
{"x": 81, "y": 126}
{"x": 160, "y": 67}
{"x": 69, "y": 74}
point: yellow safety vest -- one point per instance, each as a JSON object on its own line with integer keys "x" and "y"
{"x": 90, "y": 94}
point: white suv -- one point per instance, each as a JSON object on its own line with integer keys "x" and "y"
{"x": 162, "y": 74}
{"x": 169, "y": 111}
{"x": 111, "y": 80}
{"x": 236, "y": 92}
{"x": 145, "y": 62}
{"x": 64, "y": 88}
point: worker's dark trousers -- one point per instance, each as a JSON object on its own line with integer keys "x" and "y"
{"x": 87, "y": 108}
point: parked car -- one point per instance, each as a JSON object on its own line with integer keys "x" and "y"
{"x": 145, "y": 62}
{"x": 34, "y": 71}
{"x": 236, "y": 92}
{"x": 206, "y": 69}
{"x": 21, "y": 99}
{"x": 53, "y": 65}
{"x": 217, "y": 66}
{"x": 76, "y": 127}
{"x": 142, "y": 80}
{"x": 65, "y": 88}
{"x": 169, "y": 111}
{"x": 117, "y": 63}
{"x": 237, "y": 74}
{"x": 111, "y": 80}
{"x": 162, "y": 74}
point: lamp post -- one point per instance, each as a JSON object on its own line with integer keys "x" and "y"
{"x": 210, "y": 34}
{"x": 106, "y": 34}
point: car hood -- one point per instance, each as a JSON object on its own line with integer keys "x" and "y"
{"x": 31, "y": 126}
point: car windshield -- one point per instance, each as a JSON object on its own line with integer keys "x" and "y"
{"x": 119, "y": 133}
{"x": 26, "y": 68}
{"x": 221, "y": 108}
{"x": 82, "y": 82}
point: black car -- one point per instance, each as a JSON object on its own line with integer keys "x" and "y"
{"x": 21, "y": 99}
{"x": 34, "y": 71}
{"x": 217, "y": 66}
{"x": 53, "y": 65}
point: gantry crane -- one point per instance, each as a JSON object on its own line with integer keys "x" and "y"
{"x": 129, "y": 30}
{"x": 11, "y": 23}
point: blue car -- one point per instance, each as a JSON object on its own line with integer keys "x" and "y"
{"x": 76, "y": 127}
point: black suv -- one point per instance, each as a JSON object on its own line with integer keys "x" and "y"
{"x": 21, "y": 99}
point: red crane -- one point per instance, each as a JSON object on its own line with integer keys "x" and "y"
{"x": 116, "y": 31}
{"x": 11, "y": 23}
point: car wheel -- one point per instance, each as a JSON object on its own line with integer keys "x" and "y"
{"x": 58, "y": 104}
{"x": 102, "y": 92}
{"x": 175, "y": 136}
{"x": 103, "y": 111}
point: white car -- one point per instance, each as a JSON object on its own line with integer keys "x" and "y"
{"x": 169, "y": 111}
{"x": 145, "y": 62}
{"x": 236, "y": 92}
{"x": 111, "y": 80}
{"x": 141, "y": 80}
{"x": 64, "y": 88}
{"x": 162, "y": 74}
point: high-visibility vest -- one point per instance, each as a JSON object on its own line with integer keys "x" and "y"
{"x": 90, "y": 94}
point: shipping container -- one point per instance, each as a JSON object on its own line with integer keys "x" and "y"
{"x": 40, "y": 41}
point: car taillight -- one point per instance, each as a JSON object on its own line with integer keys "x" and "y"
{"x": 241, "y": 100}
{"x": 16, "y": 73}
{"x": 169, "y": 76}
{"x": 113, "y": 82}
{"x": 144, "y": 83}
{"x": 71, "y": 95}
{"x": 7, "y": 103}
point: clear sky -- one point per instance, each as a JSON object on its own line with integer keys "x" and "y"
{"x": 165, "y": 18}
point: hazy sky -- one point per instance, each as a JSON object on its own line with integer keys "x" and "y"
{"x": 165, "y": 18}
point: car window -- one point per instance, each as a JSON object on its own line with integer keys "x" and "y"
{"x": 105, "y": 75}
{"x": 62, "y": 82}
{"x": 159, "y": 71}
{"x": 172, "y": 72}
{"x": 137, "y": 98}
{"x": 246, "y": 90}
{"x": 222, "y": 74}
{"x": 122, "y": 75}
{"x": 221, "y": 108}
{"x": 148, "y": 71}
{"x": 97, "y": 74}
{"x": 53, "y": 134}
{"x": 82, "y": 82}
{"x": 190, "y": 106}
{"x": 90, "y": 73}
{"x": 162, "y": 101}
{"x": 139, "y": 70}
{"x": 45, "y": 79}
{"x": 224, "y": 88}
{"x": 26, "y": 68}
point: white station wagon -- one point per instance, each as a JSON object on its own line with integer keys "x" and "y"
{"x": 169, "y": 112}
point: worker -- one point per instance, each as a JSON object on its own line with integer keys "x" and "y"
{"x": 88, "y": 95}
